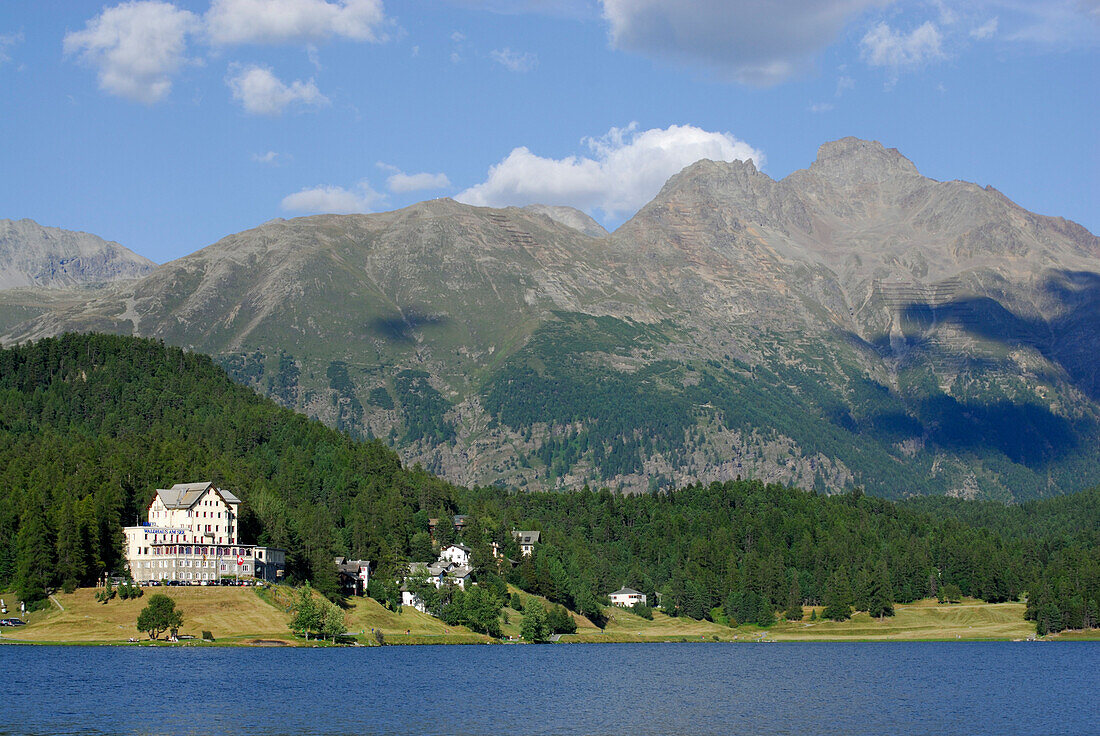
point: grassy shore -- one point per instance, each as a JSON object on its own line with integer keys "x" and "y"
{"x": 247, "y": 616}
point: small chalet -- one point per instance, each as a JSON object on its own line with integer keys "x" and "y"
{"x": 353, "y": 576}
{"x": 627, "y": 597}
{"x": 526, "y": 542}
{"x": 459, "y": 554}
{"x": 460, "y": 521}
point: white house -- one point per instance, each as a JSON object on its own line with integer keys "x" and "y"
{"x": 439, "y": 573}
{"x": 627, "y": 597}
{"x": 459, "y": 554}
{"x": 526, "y": 542}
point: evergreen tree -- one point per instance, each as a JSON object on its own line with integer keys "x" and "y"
{"x": 794, "y": 601}
{"x": 838, "y": 597}
{"x": 880, "y": 598}
{"x": 420, "y": 547}
{"x": 34, "y": 562}
{"x": 862, "y": 589}
{"x": 765, "y": 612}
{"x": 71, "y": 564}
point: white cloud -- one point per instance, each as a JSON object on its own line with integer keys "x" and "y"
{"x": 271, "y": 158}
{"x": 821, "y": 107}
{"x": 753, "y": 42}
{"x": 626, "y": 169}
{"x": 885, "y": 47}
{"x": 514, "y": 60}
{"x": 1059, "y": 23}
{"x": 986, "y": 30}
{"x": 7, "y": 41}
{"x": 332, "y": 199}
{"x": 402, "y": 182}
{"x": 843, "y": 84}
{"x": 260, "y": 92}
{"x": 136, "y": 47}
{"x": 231, "y": 22}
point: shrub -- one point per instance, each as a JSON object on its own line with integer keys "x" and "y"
{"x": 159, "y": 615}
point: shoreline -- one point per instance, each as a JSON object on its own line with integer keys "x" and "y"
{"x": 246, "y": 617}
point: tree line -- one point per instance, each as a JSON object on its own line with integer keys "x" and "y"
{"x": 91, "y": 425}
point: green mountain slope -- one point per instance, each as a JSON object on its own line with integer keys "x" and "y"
{"x": 855, "y": 323}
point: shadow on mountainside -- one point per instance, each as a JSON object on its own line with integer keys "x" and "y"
{"x": 1070, "y": 340}
{"x": 401, "y": 328}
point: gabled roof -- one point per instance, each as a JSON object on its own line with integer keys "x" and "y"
{"x": 626, "y": 591}
{"x": 184, "y": 495}
{"x": 527, "y": 537}
{"x": 351, "y": 567}
{"x": 462, "y": 547}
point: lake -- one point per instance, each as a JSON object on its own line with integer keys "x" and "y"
{"x": 803, "y": 689}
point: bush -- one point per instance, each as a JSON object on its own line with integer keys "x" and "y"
{"x": 159, "y": 615}
{"x": 641, "y": 609}
{"x": 207, "y": 636}
{"x": 560, "y": 621}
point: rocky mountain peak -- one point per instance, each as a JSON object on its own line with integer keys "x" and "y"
{"x": 855, "y": 161}
{"x": 35, "y": 255}
{"x": 570, "y": 217}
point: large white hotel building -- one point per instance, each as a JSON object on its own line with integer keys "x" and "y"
{"x": 191, "y": 536}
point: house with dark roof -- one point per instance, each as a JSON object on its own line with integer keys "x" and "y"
{"x": 353, "y": 576}
{"x": 526, "y": 542}
{"x": 627, "y": 597}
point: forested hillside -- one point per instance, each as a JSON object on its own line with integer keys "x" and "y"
{"x": 91, "y": 425}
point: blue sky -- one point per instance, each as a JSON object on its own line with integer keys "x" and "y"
{"x": 167, "y": 125}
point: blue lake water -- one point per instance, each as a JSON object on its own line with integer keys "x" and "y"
{"x": 803, "y": 689}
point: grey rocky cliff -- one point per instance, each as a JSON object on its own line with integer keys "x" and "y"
{"x": 32, "y": 255}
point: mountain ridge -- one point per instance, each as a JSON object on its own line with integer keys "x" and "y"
{"x": 854, "y": 323}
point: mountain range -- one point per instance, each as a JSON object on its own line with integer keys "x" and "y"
{"x": 855, "y": 323}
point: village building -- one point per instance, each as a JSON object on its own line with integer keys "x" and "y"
{"x": 627, "y": 597}
{"x": 353, "y": 576}
{"x": 191, "y": 536}
{"x": 526, "y": 542}
{"x": 460, "y": 522}
{"x": 459, "y": 554}
{"x": 451, "y": 570}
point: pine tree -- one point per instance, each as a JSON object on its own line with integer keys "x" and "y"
{"x": 838, "y": 597}
{"x": 34, "y": 560}
{"x": 880, "y": 598}
{"x": 862, "y": 589}
{"x": 71, "y": 563}
{"x": 794, "y": 601}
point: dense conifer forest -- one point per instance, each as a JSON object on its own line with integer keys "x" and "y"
{"x": 91, "y": 425}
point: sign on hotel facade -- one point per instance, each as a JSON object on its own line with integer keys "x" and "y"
{"x": 192, "y": 536}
